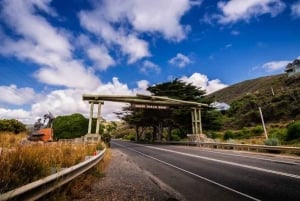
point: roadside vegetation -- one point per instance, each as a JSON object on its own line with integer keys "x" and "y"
{"x": 22, "y": 164}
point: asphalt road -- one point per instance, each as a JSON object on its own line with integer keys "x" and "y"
{"x": 205, "y": 174}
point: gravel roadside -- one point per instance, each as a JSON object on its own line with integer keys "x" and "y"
{"x": 124, "y": 180}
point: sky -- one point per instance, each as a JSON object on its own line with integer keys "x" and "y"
{"x": 52, "y": 51}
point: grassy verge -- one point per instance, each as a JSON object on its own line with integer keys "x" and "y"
{"x": 79, "y": 187}
{"x": 22, "y": 164}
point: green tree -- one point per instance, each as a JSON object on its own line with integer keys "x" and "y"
{"x": 293, "y": 131}
{"x": 173, "y": 118}
{"x": 70, "y": 126}
{"x": 12, "y": 125}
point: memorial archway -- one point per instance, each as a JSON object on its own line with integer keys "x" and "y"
{"x": 143, "y": 102}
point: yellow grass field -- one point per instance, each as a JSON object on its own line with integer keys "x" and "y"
{"x": 24, "y": 163}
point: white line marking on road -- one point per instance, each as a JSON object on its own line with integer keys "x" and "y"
{"x": 253, "y": 157}
{"x": 228, "y": 163}
{"x": 188, "y": 172}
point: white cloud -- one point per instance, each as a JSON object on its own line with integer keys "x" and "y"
{"x": 20, "y": 15}
{"x": 180, "y": 60}
{"x": 98, "y": 53}
{"x": 237, "y": 10}
{"x": 151, "y": 16}
{"x": 296, "y": 9}
{"x": 16, "y": 96}
{"x": 201, "y": 81}
{"x": 100, "y": 57}
{"x": 130, "y": 44}
{"x": 70, "y": 74}
{"x": 19, "y": 114}
{"x": 149, "y": 66}
{"x": 275, "y": 66}
{"x": 123, "y": 24}
{"x": 143, "y": 84}
{"x": 43, "y": 44}
{"x": 60, "y": 102}
{"x": 69, "y": 101}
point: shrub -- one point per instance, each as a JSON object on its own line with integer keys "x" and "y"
{"x": 70, "y": 126}
{"x": 213, "y": 135}
{"x": 293, "y": 131}
{"x": 272, "y": 142}
{"x": 175, "y": 137}
{"x": 278, "y": 133}
{"x": 12, "y": 125}
{"x": 130, "y": 137}
{"x": 258, "y": 130}
{"x": 246, "y": 133}
{"x": 228, "y": 135}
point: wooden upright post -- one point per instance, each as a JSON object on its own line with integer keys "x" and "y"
{"x": 98, "y": 116}
{"x": 91, "y": 117}
{"x": 200, "y": 120}
{"x": 196, "y": 121}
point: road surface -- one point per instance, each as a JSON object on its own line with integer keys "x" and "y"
{"x": 204, "y": 174}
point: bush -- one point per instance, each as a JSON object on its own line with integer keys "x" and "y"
{"x": 228, "y": 135}
{"x": 12, "y": 125}
{"x": 258, "y": 130}
{"x": 293, "y": 131}
{"x": 213, "y": 135}
{"x": 175, "y": 137}
{"x": 130, "y": 137}
{"x": 70, "y": 126}
{"x": 272, "y": 142}
{"x": 278, "y": 133}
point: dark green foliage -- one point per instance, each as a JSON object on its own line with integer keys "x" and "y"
{"x": 258, "y": 130}
{"x": 106, "y": 138}
{"x": 212, "y": 120}
{"x": 245, "y": 133}
{"x": 213, "y": 135}
{"x": 293, "y": 131}
{"x": 228, "y": 135}
{"x": 278, "y": 133}
{"x": 12, "y": 125}
{"x": 130, "y": 137}
{"x": 70, "y": 126}
{"x": 175, "y": 137}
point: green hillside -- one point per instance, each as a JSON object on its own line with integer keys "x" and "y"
{"x": 278, "y": 96}
{"x": 264, "y": 85}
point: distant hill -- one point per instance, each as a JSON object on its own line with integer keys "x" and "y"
{"x": 268, "y": 85}
{"x": 278, "y": 96}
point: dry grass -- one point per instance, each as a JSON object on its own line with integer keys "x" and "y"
{"x": 9, "y": 140}
{"x": 22, "y": 164}
{"x": 79, "y": 187}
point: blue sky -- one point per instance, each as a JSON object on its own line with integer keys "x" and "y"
{"x": 52, "y": 51}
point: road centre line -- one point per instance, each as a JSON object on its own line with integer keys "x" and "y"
{"x": 188, "y": 172}
{"x": 227, "y": 162}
